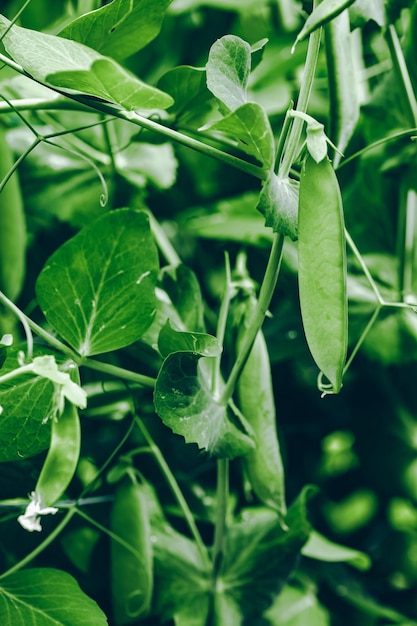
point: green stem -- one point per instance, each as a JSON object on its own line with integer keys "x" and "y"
{"x": 222, "y": 498}
{"x": 163, "y": 243}
{"x": 108, "y": 532}
{"x": 401, "y": 70}
{"x": 221, "y": 328}
{"x": 22, "y": 319}
{"x": 119, "y": 372}
{"x": 265, "y": 296}
{"x": 173, "y": 484}
{"x": 143, "y": 122}
{"x": 292, "y": 143}
{"x": 376, "y": 144}
{"x": 42, "y": 546}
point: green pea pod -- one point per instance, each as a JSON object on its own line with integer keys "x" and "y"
{"x": 263, "y": 465}
{"x": 131, "y": 556}
{"x": 62, "y": 458}
{"x": 12, "y": 226}
{"x": 321, "y": 14}
{"x": 322, "y": 269}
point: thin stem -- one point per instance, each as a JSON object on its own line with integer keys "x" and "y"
{"x": 292, "y": 143}
{"x": 364, "y": 267}
{"x": 153, "y": 126}
{"x": 42, "y": 546}
{"x": 163, "y": 243}
{"x": 119, "y": 372}
{"x": 173, "y": 484}
{"x": 402, "y": 73}
{"x": 53, "y": 341}
{"x": 362, "y": 338}
{"x": 108, "y": 532}
{"x": 222, "y": 498}
{"x": 376, "y": 144}
{"x": 23, "y": 320}
{"x": 406, "y": 236}
{"x": 221, "y": 327}
{"x": 265, "y": 296}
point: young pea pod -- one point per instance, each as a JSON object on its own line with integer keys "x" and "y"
{"x": 322, "y": 269}
{"x": 263, "y": 465}
{"x": 12, "y": 226}
{"x": 131, "y": 554}
{"x": 62, "y": 458}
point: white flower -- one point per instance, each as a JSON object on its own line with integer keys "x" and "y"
{"x": 30, "y": 520}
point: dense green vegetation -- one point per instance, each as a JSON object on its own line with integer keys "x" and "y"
{"x": 208, "y": 331}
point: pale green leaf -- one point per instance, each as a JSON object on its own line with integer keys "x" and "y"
{"x": 46, "y": 597}
{"x": 143, "y": 162}
{"x": 278, "y": 203}
{"x": 296, "y": 606}
{"x": 72, "y": 66}
{"x": 172, "y": 340}
{"x": 228, "y": 69}
{"x": 97, "y": 289}
{"x": 120, "y": 28}
{"x": 249, "y": 126}
{"x": 320, "y": 548}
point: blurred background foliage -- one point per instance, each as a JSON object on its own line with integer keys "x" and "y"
{"x": 360, "y": 447}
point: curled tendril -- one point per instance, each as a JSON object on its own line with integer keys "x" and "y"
{"x": 326, "y": 388}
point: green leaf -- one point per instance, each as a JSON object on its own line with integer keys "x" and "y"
{"x": 184, "y": 403}
{"x": 97, "y": 289}
{"x": 228, "y": 68}
{"x": 296, "y": 606}
{"x": 249, "y": 126}
{"x": 172, "y": 340}
{"x": 278, "y": 202}
{"x": 260, "y": 555}
{"x": 74, "y": 67}
{"x": 188, "y": 88}
{"x": 28, "y": 404}
{"x": 120, "y": 28}
{"x": 183, "y": 289}
{"x": 46, "y": 597}
{"x": 321, "y": 548}
{"x": 322, "y": 13}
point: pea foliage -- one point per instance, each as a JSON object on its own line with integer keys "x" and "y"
{"x": 208, "y": 331}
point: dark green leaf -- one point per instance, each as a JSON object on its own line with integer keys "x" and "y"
{"x": 181, "y": 285}
{"x": 28, "y": 404}
{"x": 228, "y": 69}
{"x": 97, "y": 290}
{"x": 184, "y": 403}
{"x": 46, "y": 597}
{"x": 188, "y": 88}
{"x": 72, "y": 66}
{"x": 120, "y": 28}
{"x": 171, "y": 340}
{"x": 260, "y": 555}
{"x": 278, "y": 202}
{"x": 249, "y": 126}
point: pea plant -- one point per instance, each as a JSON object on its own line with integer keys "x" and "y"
{"x": 208, "y": 312}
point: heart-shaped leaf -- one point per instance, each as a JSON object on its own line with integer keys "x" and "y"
{"x": 97, "y": 289}
{"x": 184, "y": 403}
{"x": 228, "y": 69}
{"x": 278, "y": 202}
